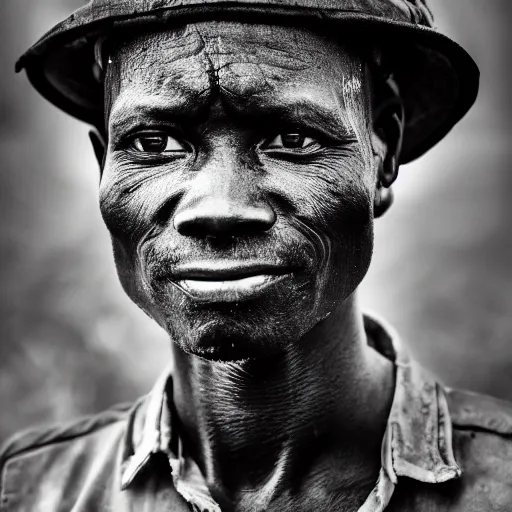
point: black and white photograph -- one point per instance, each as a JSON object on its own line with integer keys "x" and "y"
{"x": 256, "y": 256}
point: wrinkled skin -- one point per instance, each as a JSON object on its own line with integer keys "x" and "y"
{"x": 310, "y": 210}
{"x": 233, "y": 143}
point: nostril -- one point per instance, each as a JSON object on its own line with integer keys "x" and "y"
{"x": 229, "y": 224}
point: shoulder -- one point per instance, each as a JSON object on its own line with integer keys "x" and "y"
{"x": 482, "y": 446}
{"x": 482, "y": 443}
{"x": 482, "y": 431}
{"x": 38, "y": 438}
{"x": 61, "y": 457}
{"x": 475, "y": 411}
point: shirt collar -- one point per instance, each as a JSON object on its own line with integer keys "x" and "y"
{"x": 418, "y": 439}
{"x": 417, "y": 443}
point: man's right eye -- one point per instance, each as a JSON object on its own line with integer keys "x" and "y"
{"x": 157, "y": 143}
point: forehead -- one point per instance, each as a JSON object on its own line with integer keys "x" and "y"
{"x": 245, "y": 63}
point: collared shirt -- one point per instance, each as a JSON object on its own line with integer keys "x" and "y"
{"x": 443, "y": 450}
{"x": 417, "y": 443}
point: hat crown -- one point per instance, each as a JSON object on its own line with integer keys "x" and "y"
{"x": 412, "y": 11}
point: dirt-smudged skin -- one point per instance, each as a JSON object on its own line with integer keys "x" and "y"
{"x": 241, "y": 174}
{"x": 244, "y": 167}
{"x": 223, "y": 91}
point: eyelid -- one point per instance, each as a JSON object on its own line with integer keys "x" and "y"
{"x": 318, "y": 139}
{"x": 163, "y": 135}
{"x": 126, "y": 136}
{"x": 126, "y": 141}
{"x": 149, "y": 132}
{"x": 280, "y": 136}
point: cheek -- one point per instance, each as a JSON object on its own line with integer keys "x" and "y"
{"x": 345, "y": 223}
{"x": 123, "y": 203}
{"x": 332, "y": 194}
{"x": 333, "y": 200}
{"x": 132, "y": 200}
{"x": 129, "y": 200}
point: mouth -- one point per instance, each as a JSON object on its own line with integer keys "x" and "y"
{"x": 228, "y": 282}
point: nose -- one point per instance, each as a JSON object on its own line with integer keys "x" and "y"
{"x": 223, "y": 203}
{"x": 221, "y": 219}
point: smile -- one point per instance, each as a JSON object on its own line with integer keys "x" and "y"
{"x": 218, "y": 282}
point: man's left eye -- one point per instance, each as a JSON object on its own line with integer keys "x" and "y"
{"x": 157, "y": 143}
{"x": 292, "y": 140}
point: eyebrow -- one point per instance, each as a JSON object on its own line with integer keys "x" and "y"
{"x": 182, "y": 109}
{"x": 304, "y": 112}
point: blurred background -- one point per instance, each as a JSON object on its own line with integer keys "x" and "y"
{"x": 72, "y": 343}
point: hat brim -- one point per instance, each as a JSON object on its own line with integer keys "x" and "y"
{"x": 437, "y": 78}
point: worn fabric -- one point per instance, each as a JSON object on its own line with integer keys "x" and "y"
{"x": 438, "y": 80}
{"x": 443, "y": 450}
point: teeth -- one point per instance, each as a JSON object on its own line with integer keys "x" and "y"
{"x": 246, "y": 283}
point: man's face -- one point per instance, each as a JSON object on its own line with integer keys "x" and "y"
{"x": 239, "y": 181}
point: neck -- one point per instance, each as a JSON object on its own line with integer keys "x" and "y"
{"x": 260, "y": 425}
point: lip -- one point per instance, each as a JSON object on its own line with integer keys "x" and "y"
{"x": 228, "y": 281}
{"x": 227, "y": 271}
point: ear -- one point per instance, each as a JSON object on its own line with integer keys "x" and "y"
{"x": 389, "y": 126}
{"x": 99, "y": 146}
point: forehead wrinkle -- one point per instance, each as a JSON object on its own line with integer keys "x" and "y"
{"x": 249, "y": 58}
{"x": 247, "y": 63}
{"x": 158, "y": 63}
{"x": 225, "y": 51}
{"x": 219, "y": 45}
{"x": 270, "y": 40}
{"x": 186, "y": 74}
{"x": 163, "y": 47}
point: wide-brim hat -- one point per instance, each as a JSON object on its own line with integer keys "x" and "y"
{"x": 437, "y": 79}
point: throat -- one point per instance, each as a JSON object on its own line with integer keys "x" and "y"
{"x": 263, "y": 428}
{"x": 247, "y": 423}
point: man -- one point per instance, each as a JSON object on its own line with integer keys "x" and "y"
{"x": 245, "y": 149}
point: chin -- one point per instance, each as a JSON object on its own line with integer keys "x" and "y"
{"x": 227, "y": 333}
{"x": 267, "y": 322}
{"x": 225, "y": 339}
{"x": 259, "y": 325}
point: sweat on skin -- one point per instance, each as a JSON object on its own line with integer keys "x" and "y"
{"x": 231, "y": 143}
